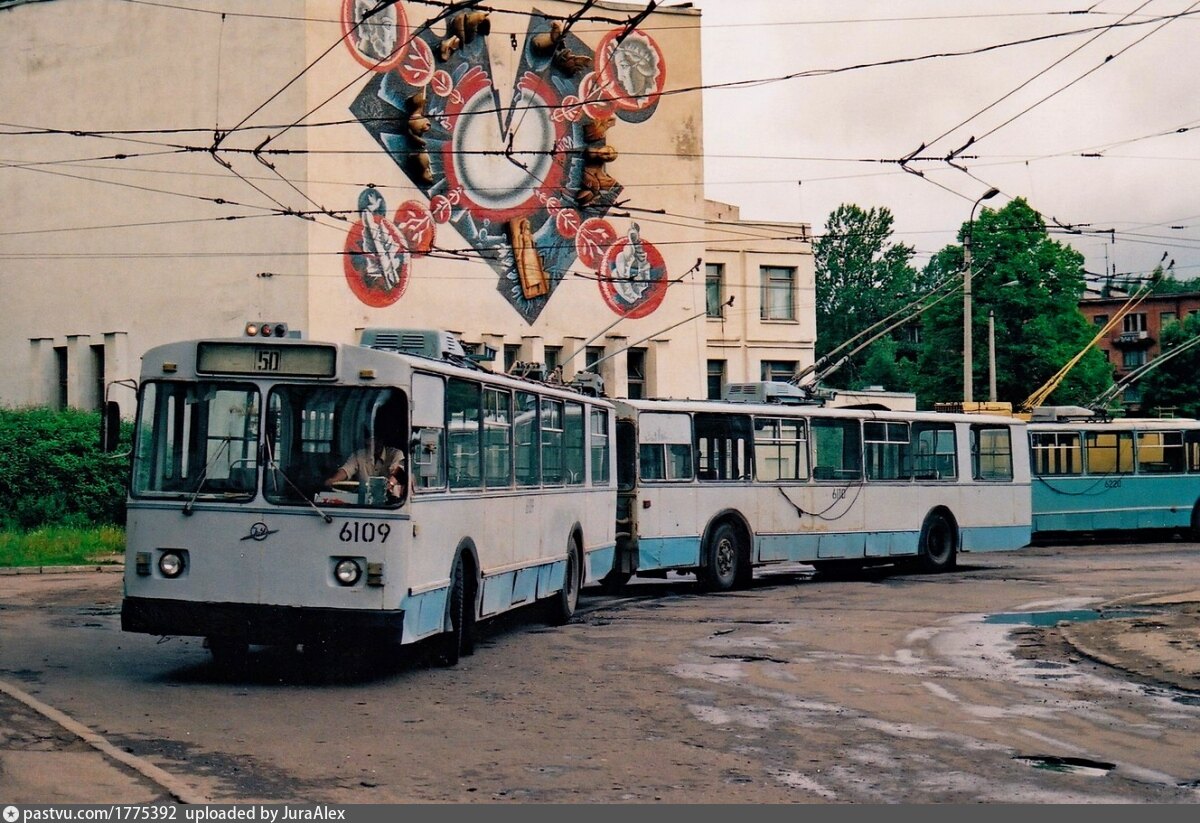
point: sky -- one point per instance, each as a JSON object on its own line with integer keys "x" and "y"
{"x": 1096, "y": 125}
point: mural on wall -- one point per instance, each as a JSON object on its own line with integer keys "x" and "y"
{"x": 526, "y": 185}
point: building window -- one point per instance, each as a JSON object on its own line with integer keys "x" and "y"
{"x": 1132, "y": 358}
{"x": 779, "y": 371}
{"x": 716, "y": 379}
{"x": 635, "y": 367}
{"x": 591, "y": 357}
{"x": 60, "y": 364}
{"x": 714, "y": 289}
{"x": 1166, "y": 317}
{"x": 553, "y": 359}
{"x": 511, "y": 354}
{"x": 778, "y": 293}
{"x": 1135, "y": 321}
{"x": 1100, "y": 319}
{"x": 98, "y": 373}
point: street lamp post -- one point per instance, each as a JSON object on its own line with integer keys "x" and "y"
{"x": 991, "y": 355}
{"x": 968, "y": 355}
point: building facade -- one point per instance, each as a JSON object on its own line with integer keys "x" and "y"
{"x": 761, "y": 299}
{"x": 1135, "y": 340}
{"x": 528, "y": 177}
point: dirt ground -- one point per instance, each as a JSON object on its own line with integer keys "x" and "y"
{"x": 1161, "y": 647}
{"x": 704, "y": 703}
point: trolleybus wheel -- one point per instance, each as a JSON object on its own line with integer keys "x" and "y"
{"x": 939, "y": 544}
{"x": 459, "y": 641}
{"x": 722, "y": 560}
{"x": 562, "y": 605}
{"x": 1195, "y": 532}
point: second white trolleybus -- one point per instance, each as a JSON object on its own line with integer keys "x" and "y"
{"x": 718, "y": 488}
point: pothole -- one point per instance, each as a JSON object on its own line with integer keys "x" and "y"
{"x": 1069, "y": 765}
{"x": 1056, "y": 617}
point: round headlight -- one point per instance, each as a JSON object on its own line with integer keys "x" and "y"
{"x": 170, "y": 564}
{"x": 347, "y": 572}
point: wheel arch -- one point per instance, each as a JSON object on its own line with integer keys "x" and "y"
{"x": 575, "y": 534}
{"x": 471, "y": 568}
{"x": 944, "y": 511}
{"x": 925, "y": 560}
{"x": 739, "y": 522}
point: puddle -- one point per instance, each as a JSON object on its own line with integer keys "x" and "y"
{"x": 1054, "y": 618}
{"x": 1069, "y": 765}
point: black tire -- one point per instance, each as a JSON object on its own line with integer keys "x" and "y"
{"x": 459, "y": 640}
{"x": 938, "y": 550}
{"x": 564, "y": 603}
{"x": 229, "y": 654}
{"x": 722, "y": 560}
{"x": 1194, "y": 534}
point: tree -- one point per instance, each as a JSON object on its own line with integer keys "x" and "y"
{"x": 1033, "y": 285}
{"x": 1175, "y": 385}
{"x": 1169, "y": 285}
{"x": 862, "y": 277}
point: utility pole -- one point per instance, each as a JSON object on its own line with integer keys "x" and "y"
{"x": 968, "y": 354}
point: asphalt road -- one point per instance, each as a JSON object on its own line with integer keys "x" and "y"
{"x": 999, "y": 683}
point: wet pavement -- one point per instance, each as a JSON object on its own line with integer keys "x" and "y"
{"x": 1150, "y": 639}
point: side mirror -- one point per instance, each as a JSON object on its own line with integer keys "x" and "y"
{"x": 110, "y": 426}
{"x": 425, "y": 452}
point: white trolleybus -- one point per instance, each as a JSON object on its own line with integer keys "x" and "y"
{"x": 718, "y": 488}
{"x": 1093, "y": 475}
{"x": 242, "y": 530}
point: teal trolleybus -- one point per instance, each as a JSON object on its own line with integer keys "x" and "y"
{"x": 1125, "y": 475}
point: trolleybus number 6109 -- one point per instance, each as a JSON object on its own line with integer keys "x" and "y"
{"x": 364, "y": 532}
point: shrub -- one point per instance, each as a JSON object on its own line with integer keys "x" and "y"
{"x": 52, "y": 472}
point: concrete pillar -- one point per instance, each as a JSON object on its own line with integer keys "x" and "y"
{"x": 118, "y": 368}
{"x": 80, "y": 380}
{"x": 43, "y": 376}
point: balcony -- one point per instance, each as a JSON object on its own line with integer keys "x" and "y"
{"x": 1134, "y": 340}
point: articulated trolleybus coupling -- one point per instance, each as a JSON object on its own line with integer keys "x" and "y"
{"x": 242, "y": 529}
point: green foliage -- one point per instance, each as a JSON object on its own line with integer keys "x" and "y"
{"x": 53, "y": 473}
{"x": 1033, "y": 285}
{"x": 886, "y": 366}
{"x": 1169, "y": 285}
{"x": 60, "y": 546}
{"x": 862, "y": 277}
{"x": 1175, "y": 385}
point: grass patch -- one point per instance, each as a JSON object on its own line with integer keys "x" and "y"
{"x": 62, "y": 546}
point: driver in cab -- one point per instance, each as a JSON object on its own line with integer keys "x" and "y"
{"x": 375, "y": 459}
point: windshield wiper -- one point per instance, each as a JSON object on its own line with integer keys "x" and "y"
{"x": 274, "y": 468}
{"x": 187, "y": 507}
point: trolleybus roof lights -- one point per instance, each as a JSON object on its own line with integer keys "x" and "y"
{"x": 270, "y": 329}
